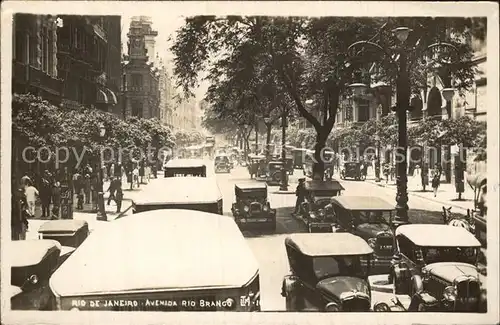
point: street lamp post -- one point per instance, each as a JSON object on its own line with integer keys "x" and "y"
{"x": 448, "y": 94}
{"x": 377, "y": 162}
{"x": 284, "y": 180}
{"x": 101, "y": 213}
{"x": 267, "y": 121}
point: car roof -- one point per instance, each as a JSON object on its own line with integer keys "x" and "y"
{"x": 30, "y": 252}
{"x": 275, "y": 162}
{"x": 189, "y": 189}
{"x": 185, "y": 163}
{"x": 360, "y": 203}
{"x": 316, "y": 244}
{"x": 256, "y": 156}
{"x": 250, "y": 186}
{"x": 317, "y": 185}
{"x": 166, "y": 249}
{"x": 70, "y": 225}
{"x": 432, "y": 235}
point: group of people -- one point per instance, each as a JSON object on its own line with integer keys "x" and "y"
{"x": 25, "y": 195}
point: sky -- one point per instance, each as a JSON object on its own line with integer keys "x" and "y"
{"x": 166, "y": 26}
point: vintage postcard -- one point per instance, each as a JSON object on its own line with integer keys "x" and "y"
{"x": 249, "y": 162}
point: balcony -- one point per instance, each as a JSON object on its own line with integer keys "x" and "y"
{"x": 26, "y": 74}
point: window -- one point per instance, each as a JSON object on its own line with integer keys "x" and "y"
{"x": 137, "y": 80}
{"x": 363, "y": 110}
{"x": 405, "y": 246}
{"x": 137, "y": 108}
{"x": 50, "y": 52}
{"x": 21, "y": 52}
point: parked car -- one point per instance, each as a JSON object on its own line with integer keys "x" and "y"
{"x": 273, "y": 174}
{"x": 222, "y": 163}
{"x": 191, "y": 193}
{"x": 329, "y": 273}
{"x": 369, "y": 217}
{"x": 69, "y": 233}
{"x": 32, "y": 263}
{"x": 317, "y": 213}
{"x": 436, "y": 267}
{"x": 161, "y": 260}
{"x": 353, "y": 170}
{"x": 252, "y": 209}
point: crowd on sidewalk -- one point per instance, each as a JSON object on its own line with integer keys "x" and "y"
{"x": 42, "y": 191}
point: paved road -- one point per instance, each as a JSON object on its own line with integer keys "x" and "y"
{"x": 269, "y": 248}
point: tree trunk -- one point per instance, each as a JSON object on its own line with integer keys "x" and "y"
{"x": 268, "y": 140}
{"x": 318, "y": 164}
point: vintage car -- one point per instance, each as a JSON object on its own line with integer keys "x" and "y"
{"x": 299, "y": 155}
{"x": 185, "y": 167}
{"x": 162, "y": 260}
{"x": 32, "y": 263}
{"x": 192, "y": 193}
{"x": 256, "y": 165}
{"x": 329, "y": 273}
{"x": 370, "y": 218}
{"x": 328, "y": 158}
{"x": 316, "y": 212}
{"x": 252, "y": 209}
{"x": 69, "y": 233}
{"x": 222, "y": 164}
{"x": 436, "y": 267}
{"x": 288, "y": 163}
{"x": 273, "y": 173}
{"x": 353, "y": 169}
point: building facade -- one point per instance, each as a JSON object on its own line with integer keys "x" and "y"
{"x": 34, "y": 57}
{"x": 140, "y": 79}
{"x": 166, "y": 97}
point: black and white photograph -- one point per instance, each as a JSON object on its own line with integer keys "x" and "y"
{"x": 250, "y": 157}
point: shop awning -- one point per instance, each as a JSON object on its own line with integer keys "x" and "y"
{"x": 102, "y": 98}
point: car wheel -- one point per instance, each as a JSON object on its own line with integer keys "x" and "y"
{"x": 363, "y": 177}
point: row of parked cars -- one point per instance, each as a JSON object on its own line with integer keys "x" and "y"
{"x": 177, "y": 252}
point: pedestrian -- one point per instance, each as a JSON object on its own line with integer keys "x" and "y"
{"x": 135, "y": 176}
{"x": 387, "y": 171}
{"x": 111, "y": 171}
{"x": 111, "y": 189}
{"x": 46, "y": 193}
{"x": 301, "y": 193}
{"x": 31, "y": 195}
{"x": 435, "y": 183}
{"x": 119, "y": 197}
{"x": 19, "y": 215}
{"x": 87, "y": 188}
{"x": 56, "y": 200}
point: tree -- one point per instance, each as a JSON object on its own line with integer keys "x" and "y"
{"x": 308, "y": 56}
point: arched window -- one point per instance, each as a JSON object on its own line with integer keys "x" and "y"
{"x": 434, "y": 102}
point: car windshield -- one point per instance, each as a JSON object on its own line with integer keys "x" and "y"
{"x": 223, "y": 159}
{"x": 348, "y": 265}
{"x": 371, "y": 216}
{"x": 449, "y": 254}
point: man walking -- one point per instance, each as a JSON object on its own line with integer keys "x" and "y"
{"x": 119, "y": 196}
{"x": 300, "y": 192}
{"x": 31, "y": 194}
{"x": 46, "y": 194}
{"x": 111, "y": 189}
{"x": 56, "y": 200}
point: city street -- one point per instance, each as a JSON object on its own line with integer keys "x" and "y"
{"x": 269, "y": 248}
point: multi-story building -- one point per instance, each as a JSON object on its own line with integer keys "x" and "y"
{"x": 68, "y": 59}
{"x": 140, "y": 83}
{"x": 167, "y": 94}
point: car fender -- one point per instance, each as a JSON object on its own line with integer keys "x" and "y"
{"x": 400, "y": 273}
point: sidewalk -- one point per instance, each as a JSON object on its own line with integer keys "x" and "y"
{"x": 89, "y": 213}
{"x": 446, "y": 195}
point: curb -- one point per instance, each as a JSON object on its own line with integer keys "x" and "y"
{"x": 283, "y": 192}
{"x": 422, "y": 197}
